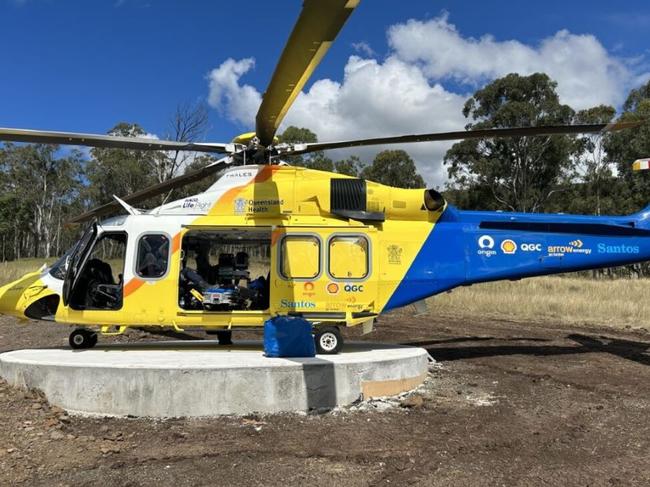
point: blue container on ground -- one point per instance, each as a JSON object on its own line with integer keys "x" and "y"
{"x": 286, "y": 336}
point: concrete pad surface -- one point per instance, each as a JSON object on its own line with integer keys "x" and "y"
{"x": 201, "y": 378}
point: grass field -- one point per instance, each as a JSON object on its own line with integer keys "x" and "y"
{"x": 10, "y": 271}
{"x": 574, "y": 300}
{"x": 618, "y": 303}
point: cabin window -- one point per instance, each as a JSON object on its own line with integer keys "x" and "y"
{"x": 349, "y": 257}
{"x": 153, "y": 256}
{"x": 300, "y": 257}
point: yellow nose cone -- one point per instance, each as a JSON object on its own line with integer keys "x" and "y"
{"x": 16, "y": 296}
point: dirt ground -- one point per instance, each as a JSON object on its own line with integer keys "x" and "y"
{"x": 508, "y": 404}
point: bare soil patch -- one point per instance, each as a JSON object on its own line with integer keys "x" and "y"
{"x": 511, "y": 403}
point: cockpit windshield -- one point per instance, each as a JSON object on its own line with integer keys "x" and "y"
{"x": 57, "y": 270}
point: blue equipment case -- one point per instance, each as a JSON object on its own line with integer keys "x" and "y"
{"x": 286, "y": 336}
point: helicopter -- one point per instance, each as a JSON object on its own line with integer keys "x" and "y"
{"x": 270, "y": 239}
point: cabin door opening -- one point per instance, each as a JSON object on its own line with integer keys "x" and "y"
{"x": 225, "y": 269}
{"x": 99, "y": 285}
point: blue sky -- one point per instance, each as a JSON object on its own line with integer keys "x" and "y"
{"x": 83, "y": 66}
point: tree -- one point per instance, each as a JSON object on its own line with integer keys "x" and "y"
{"x": 625, "y": 146}
{"x": 314, "y": 160}
{"x": 520, "y": 172}
{"x": 352, "y": 166}
{"x": 119, "y": 172}
{"x": 197, "y": 187}
{"x": 188, "y": 124}
{"x": 41, "y": 190}
{"x": 592, "y": 162}
{"x": 393, "y": 168}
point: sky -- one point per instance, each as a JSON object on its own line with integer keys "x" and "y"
{"x": 397, "y": 67}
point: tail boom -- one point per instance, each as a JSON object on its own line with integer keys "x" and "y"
{"x": 468, "y": 247}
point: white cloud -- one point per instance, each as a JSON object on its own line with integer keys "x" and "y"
{"x": 422, "y": 84}
{"x": 235, "y": 101}
{"x": 364, "y": 48}
{"x": 377, "y": 99}
{"x": 586, "y": 73}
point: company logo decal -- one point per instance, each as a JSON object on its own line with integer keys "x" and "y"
{"x": 242, "y": 205}
{"x": 195, "y": 202}
{"x": 285, "y": 303}
{"x": 486, "y": 242}
{"x": 332, "y": 288}
{"x": 573, "y": 247}
{"x": 308, "y": 289}
{"x": 353, "y": 288}
{"x": 508, "y": 247}
{"x": 618, "y": 249}
{"x": 486, "y": 246}
{"x": 531, "y": 247}
{"x": 239, "y": 174}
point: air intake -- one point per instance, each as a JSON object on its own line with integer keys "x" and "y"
{"x": 347, "y": 195}
{"x": 348, "y": 199}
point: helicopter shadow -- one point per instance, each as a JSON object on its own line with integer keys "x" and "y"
{"x": 635, "y": 351}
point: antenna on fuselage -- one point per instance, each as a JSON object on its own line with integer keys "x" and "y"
{"x": 130, "y": 210}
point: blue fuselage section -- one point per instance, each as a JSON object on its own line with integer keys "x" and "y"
{"x": 468, "y": 247}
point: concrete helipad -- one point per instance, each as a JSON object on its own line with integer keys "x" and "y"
{"x": 199, "y": 378}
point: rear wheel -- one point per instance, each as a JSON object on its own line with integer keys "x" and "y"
{"x": 82, "y": 338}
{"x": 328, "y": 340}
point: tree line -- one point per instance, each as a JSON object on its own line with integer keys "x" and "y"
{"x": 43, "y": 186}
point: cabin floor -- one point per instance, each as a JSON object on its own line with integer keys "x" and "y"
{"x": 508, "y": 404}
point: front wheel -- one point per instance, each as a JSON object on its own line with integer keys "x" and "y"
{"x": 328, "y": 340}
{"x": 82, "y": 338}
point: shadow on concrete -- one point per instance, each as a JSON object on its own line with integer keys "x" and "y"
{"x": 626, "y": 349}
{"x": 320, "y": 382}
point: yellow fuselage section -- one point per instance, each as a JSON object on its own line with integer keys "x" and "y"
{"x": 350, "y": 286}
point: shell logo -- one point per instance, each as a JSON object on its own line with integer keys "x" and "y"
{"x": 309, "y": 286}
{"x": 332, "y": 288}
{"x": 508, "y": 247}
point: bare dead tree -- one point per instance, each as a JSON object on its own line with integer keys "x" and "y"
{"x": 189, "y": 123}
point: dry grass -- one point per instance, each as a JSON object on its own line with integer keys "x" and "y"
{"x": 10, "y": 271}
{"x": 618, "y": 303}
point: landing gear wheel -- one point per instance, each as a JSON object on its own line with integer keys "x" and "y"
{"x": 224, "y": 337}
{"x": 82, "y": 338}
{"x": 328, "y": 340}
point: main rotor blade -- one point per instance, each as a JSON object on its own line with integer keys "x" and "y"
{"x": 318, "y": 25}
{"x": 108, "y": 141}
{"x": 463, "y": 135}
{"x": 156, "y": 189}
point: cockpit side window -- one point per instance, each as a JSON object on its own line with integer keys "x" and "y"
{"x": 153, "y": 256}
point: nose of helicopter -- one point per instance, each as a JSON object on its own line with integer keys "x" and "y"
{"x": 17, "y": 295}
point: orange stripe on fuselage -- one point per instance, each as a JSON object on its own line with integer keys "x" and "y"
{"x": 229, "y": 196}
{"x": 276, "y": 234}
{"x": 132, "y": 286}
{"x": 176, "y": 243}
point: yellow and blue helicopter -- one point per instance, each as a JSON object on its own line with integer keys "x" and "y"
{"x": 269, "y": 239}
